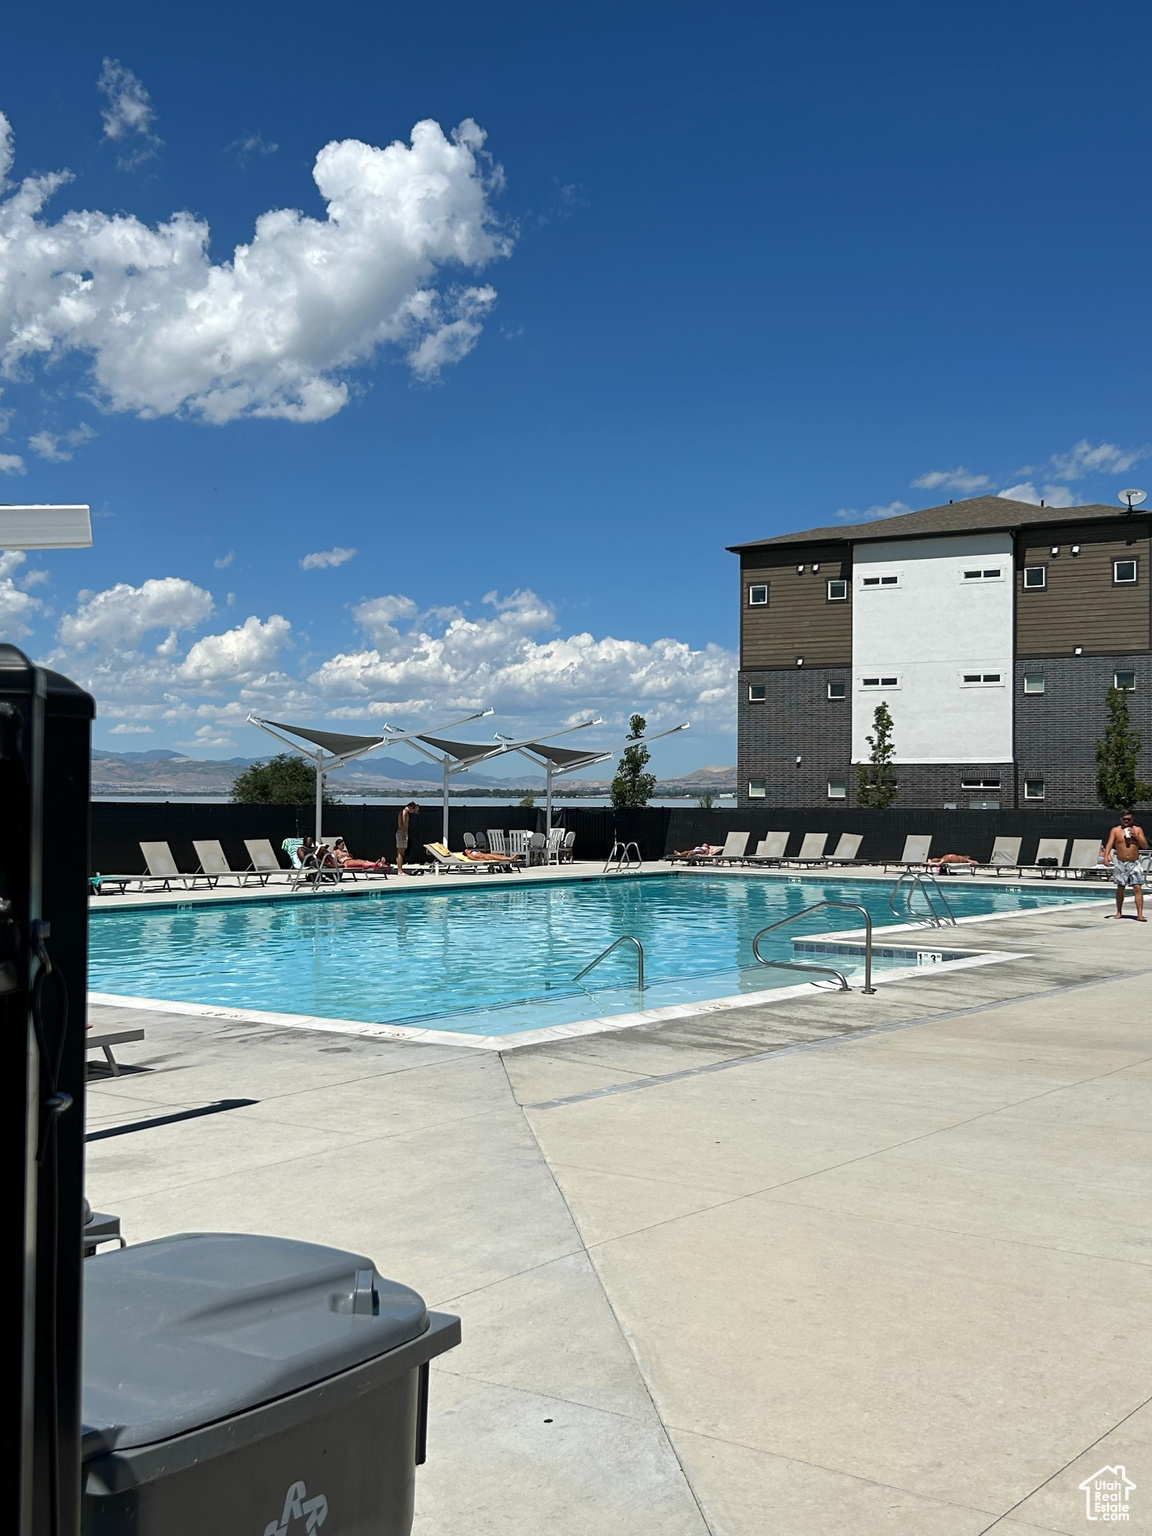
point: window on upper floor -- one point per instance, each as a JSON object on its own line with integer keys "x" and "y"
{"x": 1035, "y": 578}
{"x": 1124, "y": 573}
{"x": 1033, "y": 789}
{"x": 981, "y": 677}
{"x": 880, "y": 682}
{"x": 837, "y": 789}
{"x": 758, "y": 596}
{"x": 757, "y": 693}
{"x": 757, "y": 789}
{"x": 838, "y": 591}
{"x": 837, "y": 690}
{"x": 993, "y": 784}
{"x": 983, "y": 573}
{"x": 872, "y": 583}
{"x": 1033, "y": 682}
{"x": 1125, "y": 681}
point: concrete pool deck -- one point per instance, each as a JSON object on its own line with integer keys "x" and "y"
{"x": 830, "y": 1265}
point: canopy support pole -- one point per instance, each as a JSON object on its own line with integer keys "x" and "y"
{"x": 319, "y": 798}
{"x": 548, "y": 803}
{"x": 444, "y": 814}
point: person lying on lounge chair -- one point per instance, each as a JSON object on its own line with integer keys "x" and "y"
{"x": 346, "y": 861}
{"x": 950, "y": 858}
{"x": 702, "y": 850}
{"x": 475, "y": 855}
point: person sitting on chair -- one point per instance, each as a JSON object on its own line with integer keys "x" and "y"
{"x": 346, "y": 861}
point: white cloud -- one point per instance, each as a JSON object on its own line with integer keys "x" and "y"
{"x": 124, "y": 614}
{"x": 872, "y": 514}
{"x": 236, "y": 655}
{"x": 325, "y": 557}
{"x": 1103, "y": 459}
{"x": 249, "y": 147}
{"x": 129, "y": 114}
{"x": 59, "y": 448}
{"x": 225, "y": 560}
{"x": 376, "y": 615}
{"x": 958, "y": 479}
{"x": 1051, "y": 495}
{"x": 126, "y": 729}
{"x": 272, "y": 331}
{"x": 11, "y": 464}
{"x": 210, "y": 736}
{"x": 16, "y": 607}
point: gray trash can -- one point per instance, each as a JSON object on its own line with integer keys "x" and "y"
{"x": 252, "y": 1386}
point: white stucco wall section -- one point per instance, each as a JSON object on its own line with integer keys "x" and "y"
{"x": 927, "y": 630}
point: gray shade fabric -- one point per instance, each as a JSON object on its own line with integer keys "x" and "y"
{"x": 462, "y": 751}
{"x": 331, "y": 741}
{"x": 563, "y": 757}
{"x": 977, "y": 513}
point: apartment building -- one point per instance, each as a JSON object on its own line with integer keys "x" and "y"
{"x": 992, "y": 630}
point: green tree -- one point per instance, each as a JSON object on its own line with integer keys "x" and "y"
{"x": 632, "y": 788}
{"x": 284, "y": 780}
{"x": 528, "y": 800}
{"x": 1118, "y": 784}
{"x": 707, "y": 800}
{"x": 876, "y": 779}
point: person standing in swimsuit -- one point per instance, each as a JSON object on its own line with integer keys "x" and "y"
{"x": 402, "y": 833}
{"x": 1122, "y": 852}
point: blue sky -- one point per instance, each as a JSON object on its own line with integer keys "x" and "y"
{"x": 713, "y": 273}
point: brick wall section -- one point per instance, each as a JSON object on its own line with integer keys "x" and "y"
{"x": 796, "y": 720}
{"x": 1057, "y": 731}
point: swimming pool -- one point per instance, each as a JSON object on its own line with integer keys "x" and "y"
{"x": 499, "y": 959}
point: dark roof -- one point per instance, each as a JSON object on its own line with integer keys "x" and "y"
{"x": 974, "y": 515}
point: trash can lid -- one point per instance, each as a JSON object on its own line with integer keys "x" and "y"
{"x": 188, "y": 1330}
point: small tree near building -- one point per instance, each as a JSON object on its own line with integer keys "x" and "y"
{"x": 1118, "y": 784}
{"x": 876, "y": 787}
{"x": 632, "y": 788}
{"x": 284, "y": 780}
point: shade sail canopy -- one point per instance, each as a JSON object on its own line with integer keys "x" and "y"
{"x": 462, "y": 751}
{"x": 332, "y": 741}
{"x": 563, "y": 757}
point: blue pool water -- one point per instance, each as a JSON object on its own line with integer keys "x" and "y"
{"x": 501, "y": 957}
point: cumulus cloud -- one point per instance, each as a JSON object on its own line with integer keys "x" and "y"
{"x": 237, "y": 655}
{"x": 1103, "y": 459}
{"x": 326, "y": 557}
{"x": 11, "y": 464}
{"x": 129, "y": 114}
{"x": 225, "y": 560}
{"x": 124, "y": 614}
{"x": 249, "y": 147}
{"x": 126, "y": 728}
{"x": 17, "y": 607}
{"x": 958, "y": 479}
{"x": 872, "y": 514}
{"x": 59, "y": 448}
{"x": 274, "y": 330}
{"x": 1050, "y": 495}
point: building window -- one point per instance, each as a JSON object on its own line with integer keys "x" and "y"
{"x": 978, "y": 784}
{"x": 880, "y": 581}
{"x": 879, "y": 682}
{"x": 1033, "y": 789}
{"x": 837, "y": 591}
{"x": 1125, "y": 681}
{"x": 1033, "y": 682}
{"x": 982, "y": 677}
{"x": 1124, "y": 572}
{"x": 985, "y": 573}
{"x": 758, "y": 596}
{"x": 757, "y": 693}
{"x": 757, "y": 789}
{"x": 838, "y": 690}
{"x": 1035, "y": 577}
{"x": 837, "y": 789}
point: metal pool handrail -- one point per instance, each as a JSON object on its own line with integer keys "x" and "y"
{"x": 625, "y": 938}
{"x": 919, "y": 883}
{"x": 620, "y": 852}
{"x": 825, "y": 970}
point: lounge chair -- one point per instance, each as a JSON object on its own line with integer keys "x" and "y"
{"x": 915, "y": 855}
{"x": 1049, "y": 856}
{"x": 162, "y": 868}
{"x": 735, "y": 850}
{"x": 105, "y": 1039}
{"x": 1005, "y": 855}
{"x": 811, "y": 849}
{"x": 769, "y": 850}
{"x": 846, "y": 849}
{"x": 446, "y": 863}
{"x": 263, "y": 856}
{"x": 1085, "y": 858}
{"x": 214, "y": 862}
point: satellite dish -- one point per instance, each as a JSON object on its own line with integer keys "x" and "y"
{"x": 1132, "y": 498}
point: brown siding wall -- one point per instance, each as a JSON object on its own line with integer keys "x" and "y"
{"x": 1080, "y": 604}
{"x": 799, "y": 620}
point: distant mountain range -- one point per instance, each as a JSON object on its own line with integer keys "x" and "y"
{"x": 160, "y": 771}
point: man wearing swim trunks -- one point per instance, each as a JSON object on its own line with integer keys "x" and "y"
{"x": 402, "y": 834}
{"x": 1122, "y": 852}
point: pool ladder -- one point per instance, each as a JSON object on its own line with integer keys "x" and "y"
{"x": 824, "y": 970}
{"x": 625, "y": 938}
{"x": 929, "y": 887}
{"x": 621, "y": 858}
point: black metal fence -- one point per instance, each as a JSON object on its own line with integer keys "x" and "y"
{"x": 119, "y": 827}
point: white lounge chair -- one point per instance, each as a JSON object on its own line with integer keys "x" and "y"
{"x": 213, "y": 861}
{"x": 263, "y": 856}
{"x": 1049, "y": 856}
{"x": 162, "y": 868}
{"x": 104, "y": 1039}
{"x": 811, "y": 849}
{"x": 915, "y": 855}
{"x": 446, "y": 863}
{"x": 769, "y": 850}
{"x": 1085, "y": 858}
{"x": 846, "y": 849}
{"x": 1005, "y": 855}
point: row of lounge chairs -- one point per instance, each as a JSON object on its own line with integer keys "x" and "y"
{"x": 1003, "y": 859}
{"x": 164, "y": 875}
